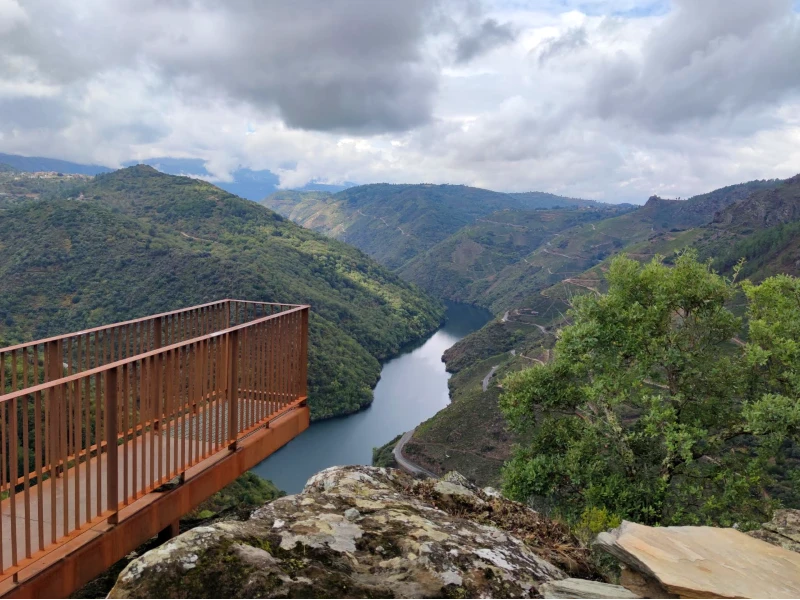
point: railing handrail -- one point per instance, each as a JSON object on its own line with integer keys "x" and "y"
{"x": 113, "y": 365}
{"x": 139, "y": 320}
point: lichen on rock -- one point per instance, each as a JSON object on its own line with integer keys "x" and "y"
{"x": 353, "y": 532}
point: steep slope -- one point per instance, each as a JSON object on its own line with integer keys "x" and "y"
{"x": 466, "y": 264}
{"x": 395, "y": 223}
{"x": 764, "y": 229}
{"x": 141, "y": 242}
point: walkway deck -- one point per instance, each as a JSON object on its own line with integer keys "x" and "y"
{"x": 168, "y": 437}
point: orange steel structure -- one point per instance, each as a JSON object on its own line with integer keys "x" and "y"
{"x": 109, "y": 435}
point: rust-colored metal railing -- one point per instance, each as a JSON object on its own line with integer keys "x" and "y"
{"x": 91, "y": 421}
{"x": 31, "y": 363}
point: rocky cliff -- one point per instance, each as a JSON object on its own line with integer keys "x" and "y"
{"x": 365, "y": 532}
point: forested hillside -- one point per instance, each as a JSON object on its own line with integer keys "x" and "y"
{"x": 17, "y": 186}
{"x": 396, "y": 223}
{"x": 466, "y": 264}
{"x": 136, "y": 242}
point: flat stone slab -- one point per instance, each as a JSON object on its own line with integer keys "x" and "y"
{"x": 706, "y": 562}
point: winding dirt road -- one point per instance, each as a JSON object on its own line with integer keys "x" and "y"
{"x": 406, "y": 464}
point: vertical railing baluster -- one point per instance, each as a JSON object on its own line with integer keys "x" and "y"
{"x": 126, "y": 388}
{"x": 112, "y": 463}
{"x": 26, "y": 457}
{"x": 232, "y": 387}
{"x": 135, "y": 412}
{"x": 13, "y": 467}
{"x": 98, "y": 441}
{"x": 77, "y": 435}
{"x": 37, "y": 417}
{"x": 87, "y": 418}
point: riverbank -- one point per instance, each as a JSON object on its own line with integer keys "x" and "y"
{"x": 412, "y": 388}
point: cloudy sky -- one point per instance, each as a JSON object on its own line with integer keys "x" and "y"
{"x": 606, "y": 99}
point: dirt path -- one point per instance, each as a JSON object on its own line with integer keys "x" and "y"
{"x": 406, "y": 464}
{"x": 559, "y": 254}
{"x": 584, "y": 284}
{"x": 197, "y": 239}
{"x": 488, "y": 378}
{"x": 504, "y": 224}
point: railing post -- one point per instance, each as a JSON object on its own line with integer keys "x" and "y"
{"x": 233, "y": 388}
{"x": 53, "y": 370}
{"x": 304, "y": 314}
{"x": 112, "y": 466}
{"x": 157, "y": 366}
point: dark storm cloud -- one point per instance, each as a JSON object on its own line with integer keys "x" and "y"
{"x": 488, "y": 36}
{"x": 707, "y": 60}
{"x": 354, "y": 65}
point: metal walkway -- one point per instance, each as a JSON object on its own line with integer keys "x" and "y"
{"x": 108, "y": 436}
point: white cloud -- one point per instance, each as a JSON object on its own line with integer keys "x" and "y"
{"x": 609, "y": 99}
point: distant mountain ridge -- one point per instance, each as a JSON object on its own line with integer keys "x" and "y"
{"x": 246, "y": 183}
{"x": 395, "y": 223}
{"x": 39, "y": 163}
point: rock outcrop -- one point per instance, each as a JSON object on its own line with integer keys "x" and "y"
{"x": 783, "y": 530}
{"x": 701, "y": 562}
{"x": 364, "y": 532}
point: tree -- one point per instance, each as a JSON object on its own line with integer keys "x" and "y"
{"x": 652, "y": 410}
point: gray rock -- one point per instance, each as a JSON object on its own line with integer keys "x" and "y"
{"x": 352, "y": 532}
{"x": 457, "y": 478}
{"x": 351, "y": 514}
{"x": 583, "y": 588}
{"x": 456, "y": 493}
{"x": 783, "y": 530}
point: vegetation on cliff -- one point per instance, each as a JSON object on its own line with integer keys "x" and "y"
{"x": 653, "y": 410}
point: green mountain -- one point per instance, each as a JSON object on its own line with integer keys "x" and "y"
{"x": 396, "y": 223}
{"x": 136, "y": 242}
{"x": 467, "y": 264}
{"x": 757, "y": 220}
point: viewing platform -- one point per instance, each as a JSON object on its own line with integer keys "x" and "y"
{"x": 109, "y": 435}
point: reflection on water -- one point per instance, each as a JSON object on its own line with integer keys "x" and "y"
{"x": 413, "y": 387}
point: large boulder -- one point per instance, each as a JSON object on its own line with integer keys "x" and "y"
{"x": 360, "y": 532}
{"x": 701, "y": 562}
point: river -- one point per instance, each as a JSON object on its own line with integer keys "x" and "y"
{"x": 412, "y": 388}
